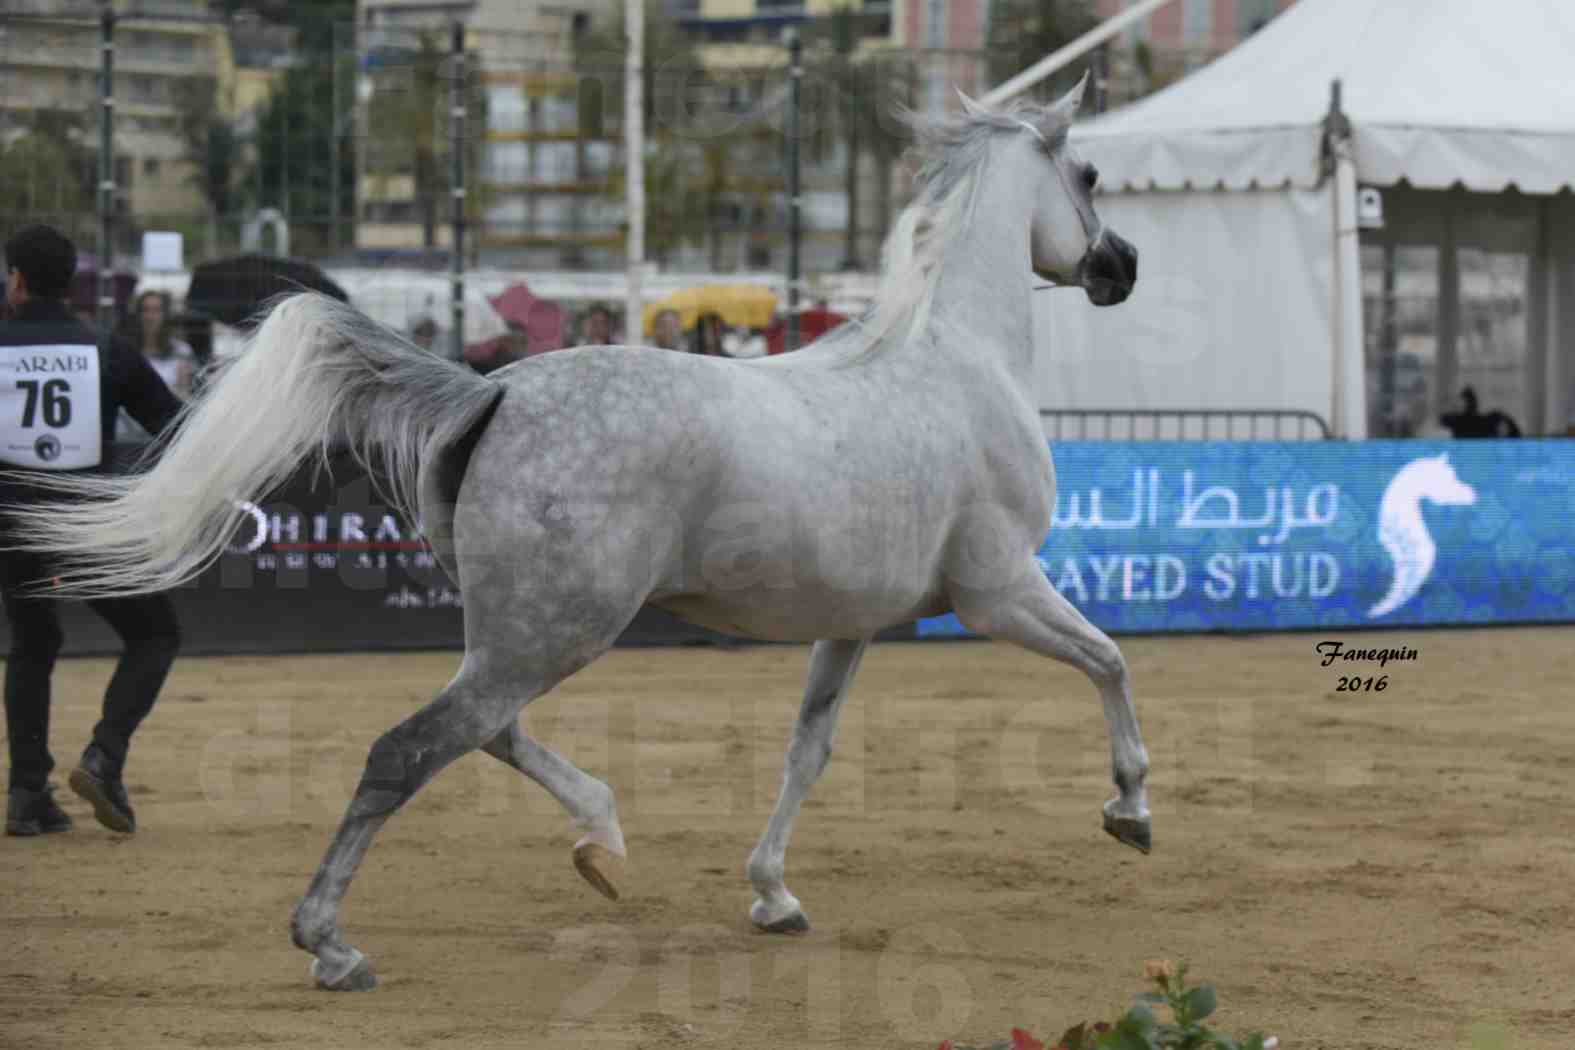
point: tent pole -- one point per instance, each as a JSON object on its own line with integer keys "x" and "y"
{"x": 1547, "y": 409}
{"x": 1448, "y": 310}
{"x": 1350, "y": 378}
{"x": 634, "y": 162}
{"x": 1065, "y": 56}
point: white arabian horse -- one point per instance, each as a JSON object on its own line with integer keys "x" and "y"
{"x": 892, "y": 470}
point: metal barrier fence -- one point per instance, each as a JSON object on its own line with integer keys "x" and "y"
{"x": 1183, "y": 424}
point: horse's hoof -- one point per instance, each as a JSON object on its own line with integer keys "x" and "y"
{"x": 1135, "y": 832}
{"x": 798, "y": 922}
{"x": 358, "y": 978}
{"x": 788, "y": 917}
{"x": 596, "y": 863}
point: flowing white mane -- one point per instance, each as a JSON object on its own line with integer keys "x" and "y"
{"x": 950, "y": 149}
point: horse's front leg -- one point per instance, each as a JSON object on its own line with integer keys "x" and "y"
{"x": 1034, "y": 615}
{"x": 831, "y": 667}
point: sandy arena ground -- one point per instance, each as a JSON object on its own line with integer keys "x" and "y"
{"x": 1386, "y": 869}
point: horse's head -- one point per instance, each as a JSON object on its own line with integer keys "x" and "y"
{"x": 1439, "y": 484}
{"x": 1068, "y": 244}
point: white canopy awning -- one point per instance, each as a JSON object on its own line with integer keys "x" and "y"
{"x": 1438, "y": 92}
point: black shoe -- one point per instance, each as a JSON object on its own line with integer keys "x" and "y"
{"x": 97, "y": 780}
{"x": 30, "y": 812}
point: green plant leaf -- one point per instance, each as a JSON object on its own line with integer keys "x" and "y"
{"x": 1072, "y": 1038}
{"x": 1201, "y": 1001}
{"x": 1154, "y": 998}
{"x": 1138, "y": 1021}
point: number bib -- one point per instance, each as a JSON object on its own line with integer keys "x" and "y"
{"x": 49, "y": 407}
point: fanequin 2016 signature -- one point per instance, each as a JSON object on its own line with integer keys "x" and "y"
{"x": 1334, "y": 650}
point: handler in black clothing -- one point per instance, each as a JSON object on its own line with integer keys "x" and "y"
{"x": 60, "y": 389}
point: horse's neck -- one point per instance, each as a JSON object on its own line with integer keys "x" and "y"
{"x": 984, "y": 283}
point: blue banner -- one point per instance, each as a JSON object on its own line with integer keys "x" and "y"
{"x": 1252, "y": 536}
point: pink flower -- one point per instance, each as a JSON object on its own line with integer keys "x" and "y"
{"x": 1021, "y": 1040}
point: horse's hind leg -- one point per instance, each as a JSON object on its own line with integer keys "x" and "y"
{"x": 831, "y": 668}
{"x": 1035, "y": 615}
{"x": 473, "y": 710}
{"x": 589, "y": 801}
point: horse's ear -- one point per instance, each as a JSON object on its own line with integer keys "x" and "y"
{"x": 1067, "y": 105}
{"x": 970, "y": 107}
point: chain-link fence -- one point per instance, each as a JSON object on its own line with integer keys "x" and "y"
{"x": 229, "y": 134}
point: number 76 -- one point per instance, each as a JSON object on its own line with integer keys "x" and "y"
{"x": 57, "y": 405}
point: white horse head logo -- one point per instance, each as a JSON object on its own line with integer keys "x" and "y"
{"x": 1403, "y": 532}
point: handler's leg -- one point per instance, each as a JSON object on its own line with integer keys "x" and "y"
{"x": 35, "y": 642}
{"x": 831, "y": 668}
{"x": 1033, "y": 614}
{"x": 147, "y": 627}
{"x": 589, "y": 801}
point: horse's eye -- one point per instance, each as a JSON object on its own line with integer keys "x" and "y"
{"x": 1090, "y": 177}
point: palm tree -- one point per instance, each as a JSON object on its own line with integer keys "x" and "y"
{"x": 670, "y": 64}
{"x": 411, "y": 122}
{"x": 1021, "y": 32}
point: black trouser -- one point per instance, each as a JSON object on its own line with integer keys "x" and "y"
{"x": 146, "y": 625}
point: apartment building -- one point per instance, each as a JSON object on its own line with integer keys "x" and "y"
{"x": 1179, "y": 37}
{"x": 550, "y": 177}
{"x": 49, "y": 62}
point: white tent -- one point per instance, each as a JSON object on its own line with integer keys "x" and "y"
{"x": 1239, "y": 188}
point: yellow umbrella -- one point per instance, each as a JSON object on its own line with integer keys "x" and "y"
{"x": 742, "y": 305}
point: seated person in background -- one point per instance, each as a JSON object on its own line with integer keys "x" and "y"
{"x": 1467, "y": 422}
{"x": 708, "y": 336}
{"x": 424, "y": 334}
{"x": 151, "y": 330}
{"x": 508, "y": 348}
{"x": 597, "y": 327}
{"x": 666, "y": 330}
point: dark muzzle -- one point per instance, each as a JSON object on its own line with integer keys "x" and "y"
{"x": 1109, "y": 270}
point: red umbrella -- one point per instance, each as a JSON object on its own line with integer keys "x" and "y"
{"x": 812, "y": 324}
{"x": 541, "y": 319}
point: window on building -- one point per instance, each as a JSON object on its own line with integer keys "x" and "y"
{"x": 123, "y": 170}
{"x": 935, "y": 23}
{"x": 1197, "y": 22}
{"x": 150, "y": 166}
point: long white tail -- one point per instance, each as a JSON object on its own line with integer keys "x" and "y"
{"x": 316, "y": 372}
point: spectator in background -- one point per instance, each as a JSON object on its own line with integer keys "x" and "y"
{"x": 424, "y": 334}
{"x": 708, "y": 336}
{"x": 505, "y": 350}
{"x": 150, "y": 329}
{"x": 597, "y": 327}
{"x": 667, "y": 330}
{"x": 1467, "y": 422}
